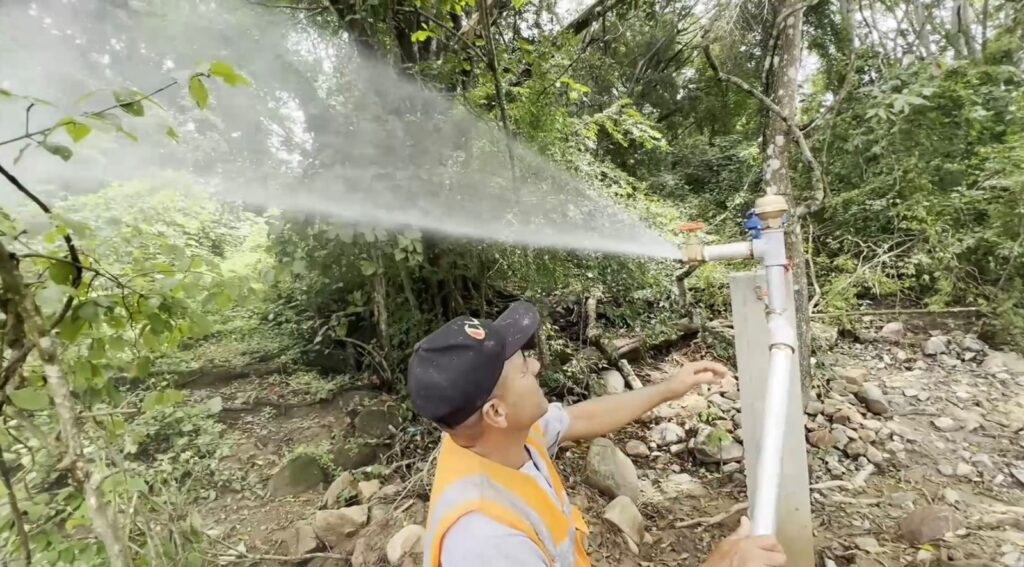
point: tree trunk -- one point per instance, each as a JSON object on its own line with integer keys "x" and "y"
{"x": 776, "y": 148}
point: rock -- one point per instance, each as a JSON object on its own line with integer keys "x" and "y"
{"x": 716, "y": 446}
{"x": 623, "y": 513}
{"x": 847, "y": 416}
{"x": 893, "y": 332}
{"x": 689, "y": 406}
{"x": 868, "y": 544}
{"x": 873, "y": 399}
{"x": 821, "y": 439}
{"x": 729, "y": 384}
{"x": 983, "y": 460}
{"x": 950, "y": 496}
{"x": 945, "y": 424}
{"x": 636, "y": 448}
{"x": 682, "y": 485}
{"x": 666, "y": 434}
{"x": 866, "y": 435}
{"x": 722, "y": 402}
{"x": 814, "y": 407}
{"x": 872, "y": 425}
{"x": 901, "y": 355}
{"x": 343, "y": 488}
{"x": 928, "y": 524}
{"x": 1018, "y": 474}
{"x": 1012, "y": 559}
{"x": 351, "y": 454}
{"x": 401, "y": 543}
{"x": 965, "y": 470}
{"x": 934, "y": 346}
{"x": 732, "y": 467}
{"x": 333, "y": 527}
{"x": 368, "y": 489}
{"x": 999, "y": 360}
{"x": 947, "y": 360}
{"x": 301, "y": 473}
{"x": 855, "y": 376}
{"x": 301, "y": 539}
{"x": 946, "y": 470}
{"x": 389, "y": 493}
{"x": 830, "y": 408}
{"x": 856, "y": 449}
{"x": 379, "y": 420}
{"x": 972, "y": 344}
{"x": 610, "y": 471}
{"x": 840, "y": 435}
{"x": 875, "y": 456}
{"x": 676, "y": 449}
{"x": 613, "y": 382}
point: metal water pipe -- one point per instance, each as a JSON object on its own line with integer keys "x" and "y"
{"x": 766, "y": 226}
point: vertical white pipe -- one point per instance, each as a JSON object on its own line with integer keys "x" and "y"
{"x": 783, "y": 340}
{"x": 769, "y": 463}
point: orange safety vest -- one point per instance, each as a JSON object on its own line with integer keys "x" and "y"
{"x": 466, "y": 482}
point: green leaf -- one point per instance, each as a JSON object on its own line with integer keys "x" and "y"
{"x": 227, "y": 73}
{"x": 61, "y": 273}
{"x": 140, "y": 368}
{"x": 63, "y": 152}
{"x": 77, "y": 130}
{"x": 172, "y": 134}
{"x": 129, "y": 102}
{"x": 30, "y": 399}
{"x": 197, "y": 90}
{"x": 368, "y": 267}
{"x": 518, "y": 3}
{"x": 421, "y": 35}
{"x": 70, "y": 328}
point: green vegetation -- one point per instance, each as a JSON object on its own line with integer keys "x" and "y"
{"x": 144, "y": 284}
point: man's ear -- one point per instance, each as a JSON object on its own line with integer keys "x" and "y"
{"x": 495, "y": 414}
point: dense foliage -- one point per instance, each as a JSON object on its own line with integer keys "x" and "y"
{"x": 920, "y": 135}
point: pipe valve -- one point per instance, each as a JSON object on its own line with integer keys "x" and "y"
{"x": 693, "y": 247}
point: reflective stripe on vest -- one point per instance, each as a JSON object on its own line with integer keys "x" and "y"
{"x": 465, "y": 482}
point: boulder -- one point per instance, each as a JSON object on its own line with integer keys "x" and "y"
{"x": 928, "y": 524}
{"x": 333, "y": 527}
{"x": 379, "y": 420}
{"x": 814, "y": 407}
{"x": 712, "y": 445}
{"x": 368, "y": 489}
{"x": 893, "y": 332}
{"x": 935, "y": 346}
{"x": 874, "y": 456}
{"x": 873, "y": 399}
{"x": 351, "y": 454}
{"x": 855, "y": 376}
{"x": 821, "y": 439}
{"x": 966, "y": 471}
{"x": 824, "y": 334}
{"x": 972, "y": 344}
{"x": 613, "y": 382}
{"x": 340, "y": 491}
{"x": 404, "y": 541}
{"x": 301, "y": 473}
{"x": 665, "y": 434}
{"x": 610, "y": 471}
{"x": 636, "y": 448}
{"x": 623, "y": 513}
{"x": 945, "y": 424}
{"x": 855, "y": 449}
{"x": 301, "y": 539}
{"x": 847, "y": 416}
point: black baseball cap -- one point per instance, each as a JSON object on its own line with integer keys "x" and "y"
{"x": 453, "y": 371}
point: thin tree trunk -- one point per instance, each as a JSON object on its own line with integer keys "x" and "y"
{"x": 984, "y": 26}
{"x": 104, "y": 520}
{"x": 776, "y": 149}
{"x": 499, "y": 91}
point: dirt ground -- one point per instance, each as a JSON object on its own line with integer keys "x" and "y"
{"x": 974, "y": 466}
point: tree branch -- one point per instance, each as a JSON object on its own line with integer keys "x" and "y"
{"x": 474, "y": 49}
{"x": 773, "y": 41}
{"x": 12, "y": 501}
{"x": 104, "y": 520}
{"x": 76, "y": 278}
{"x": 91, "y": 114}
{"x": 817, "y": 178}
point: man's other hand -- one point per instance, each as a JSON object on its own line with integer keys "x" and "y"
{"x": 742, "y": 550}
{"x": 693, "y": 374}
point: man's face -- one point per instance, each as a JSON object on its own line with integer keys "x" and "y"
{"x": 520, "y": 392}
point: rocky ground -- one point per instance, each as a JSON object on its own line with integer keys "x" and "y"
{"x": 915, "y": 446}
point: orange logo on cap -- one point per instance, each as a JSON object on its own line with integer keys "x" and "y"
{"x": 475, "y": 330}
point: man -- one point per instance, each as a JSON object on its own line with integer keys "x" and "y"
{"x": 497, "y": 499}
